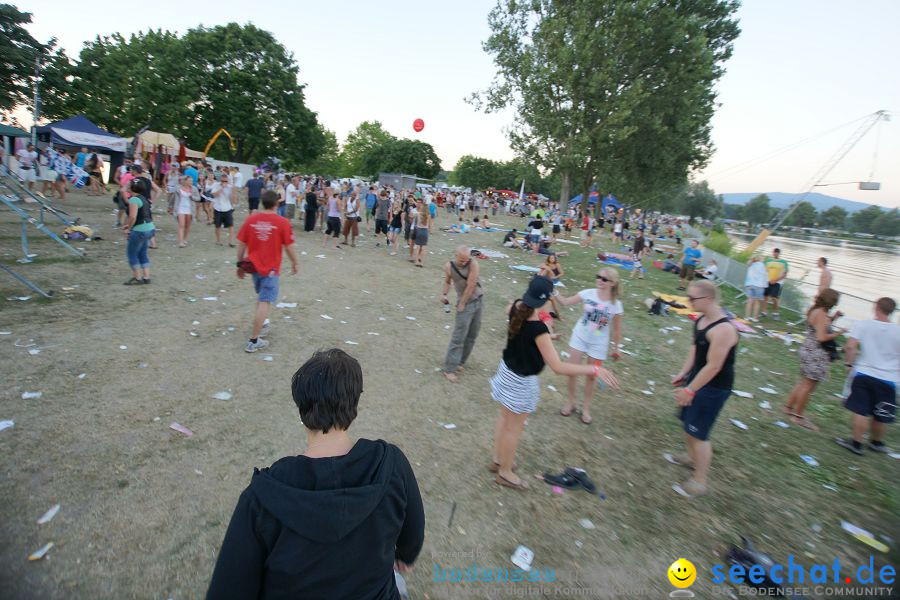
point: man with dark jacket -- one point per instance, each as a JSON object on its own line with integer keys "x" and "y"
{"x": 332, "y": 523}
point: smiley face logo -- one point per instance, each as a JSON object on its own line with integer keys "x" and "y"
{"x": 682, "y": 573}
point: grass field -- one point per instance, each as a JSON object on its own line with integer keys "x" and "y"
{"x": 144, "y": 509}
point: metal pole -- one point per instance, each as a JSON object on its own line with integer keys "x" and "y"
{"x": 37, "y": 98}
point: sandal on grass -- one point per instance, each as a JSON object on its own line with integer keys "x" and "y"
{"x": 563, "y": 480}
{"x": 494, "y": 467}
{"x": 803, "y": 422}
{"x": 134, "y": 281}
{"x": 690, "y": 489}
{"x": 581, "y": 476}
{"x": 682, "y": 460}
{"x": 566, "y": 413}
{"x": 587, "y": 420}
{"x": 521, "y": 486}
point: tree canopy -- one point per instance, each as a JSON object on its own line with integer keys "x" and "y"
{"x": 698, "y": 200}
{"x": 758, "y": 211}
{"x": 18, "y": 51}
{"x": 804, "y": 215}
{"x": 234, "y": 76}
{"x": 613, "y": 90}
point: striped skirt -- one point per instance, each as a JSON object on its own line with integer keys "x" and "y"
{"x": 519, "y": 394}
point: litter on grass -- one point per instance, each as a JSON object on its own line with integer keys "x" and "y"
{"x": 558, "y": 490}
{"x": 372, "y": 333}
{"x": 450, "y": 426}
{"x": 268, "y": 358}
{"x": 864, "y": 536}
{"x": 222, "y": 396}
{"x": 809, "y": 460}
{"x": 48, "y": 515}
{"x": 587, "y": 524}
{"x": 741, "y": 394}
{"x": 326, "y": 317}
{"x": 522, "y": 558}
{"x": 782, "y": 424}
{"x": 408, "y": 318}
{"x": 647, "y": 392}
{"x": 181, "y": 429}
{"x": 31, "y": 395}
{"x": 210, "y": 298}
{"x": 552, "y": 388}
{"x": 286, "y": 305}
{"x": 765, "y": 405}
{"x": 6, "y": 424}
{"x": 123, "y": 347}
{"x": 352, "y": 343}
{"x": 34, "y": 351}
{"x": 738, "y": 424}
{"x": 768, "y": 390}
{"x": 417, "y": 371}
{"x": 40, "y": 553}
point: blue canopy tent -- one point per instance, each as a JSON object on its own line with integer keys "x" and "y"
{"x": 610, "y": 200}
{"x": 77, "y": 132}
{"x": 592, "y": 199}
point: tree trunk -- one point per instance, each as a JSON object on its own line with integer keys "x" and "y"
{"x": 565, "y": 190}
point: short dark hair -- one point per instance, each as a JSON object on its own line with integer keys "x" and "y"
{"x": 776, "y": 251}
{"x": 326, "y": 390}
{"x": 824, "y": 260}
{"x": 269, "y": 199}
{"x": 886, "y": 305}
{"x": 140, "y": 186}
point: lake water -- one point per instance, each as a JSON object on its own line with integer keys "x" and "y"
{"x": 867, "y": 273}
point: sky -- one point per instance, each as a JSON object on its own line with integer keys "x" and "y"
{"x": 802, "y": 71}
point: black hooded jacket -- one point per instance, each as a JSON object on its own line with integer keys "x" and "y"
{"x": 328, "y": 528}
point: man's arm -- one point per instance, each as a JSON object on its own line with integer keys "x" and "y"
{"x": 292, "y": 254}
{"x": 851, "y": 349}
{"x": 785, "y": 272}
{"x": 471, "y": 283}
{"x": 241, "y": 251}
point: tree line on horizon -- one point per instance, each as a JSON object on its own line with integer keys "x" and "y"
{"x": 873, "y": 219}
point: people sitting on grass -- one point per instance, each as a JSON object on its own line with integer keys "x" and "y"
{"x": 332, "y": 522}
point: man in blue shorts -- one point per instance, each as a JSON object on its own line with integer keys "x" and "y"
{"x": 689, "y": 263}
{"x": 261, "y": 239}
{"x": 873, "y": 353}
{"x": 255, "y": 186}
{"x": 706, "y": 380}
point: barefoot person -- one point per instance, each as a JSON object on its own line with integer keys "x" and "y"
{"x": 600, "y": 324}
{"x": 463, "y": 273}
{"x": 873, "y": 353}
{"x": 335, "y": 521}
{"x": 516, "y": 385}
{"x": 814, "y": 358}
{"x": 706, "y": 380}
{"x": 260, "y": 241}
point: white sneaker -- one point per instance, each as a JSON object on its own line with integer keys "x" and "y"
{"x": 265, "y": 329}
{"x": 259, "y": 345}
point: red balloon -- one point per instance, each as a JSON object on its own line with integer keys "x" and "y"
{"x": 418, "y": 125}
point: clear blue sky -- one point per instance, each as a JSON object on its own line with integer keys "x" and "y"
{"x": 800, "y": 68}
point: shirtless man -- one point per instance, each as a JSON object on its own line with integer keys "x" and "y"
{"x": 826, "y": 277}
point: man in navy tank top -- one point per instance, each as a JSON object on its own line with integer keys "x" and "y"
{"x": 705, "y": 382}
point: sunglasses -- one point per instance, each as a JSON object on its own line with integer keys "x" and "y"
{"x": 693, "y": 298}
{"x": 603, "y": 279}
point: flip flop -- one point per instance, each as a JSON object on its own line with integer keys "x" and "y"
{"x": 520, "y": 487}
{"x": 563, "y": 412}
{"x": 586, "y": 420}
{"x": 582, "y": 477}
{"x": 804, "y": 423}
{"x": 494, "y": 467}
{"x": 563, "y": 480}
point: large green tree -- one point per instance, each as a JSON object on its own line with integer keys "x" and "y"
{"x": 615, "y": 90}
{"x": 699, "y": 200}
{"x": 758, "y": 210}
{"x": 412, "y": 157}
{"x": 19, "y": 53}
{"x": 330, "y": 161}
{"x": 804, "y": 215}
{"x": 236, "y": 77}
{"x": 476, "y": 172}
{"x": 360, "y": 148}
{"x": 887, "y": 225}
{"x": 864, "y": 220}
{"x": 834, "y": 217}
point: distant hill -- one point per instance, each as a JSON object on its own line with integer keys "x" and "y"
{"x": 782, "y": 200}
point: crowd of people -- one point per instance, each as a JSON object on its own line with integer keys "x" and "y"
{"x": 286, "y": 537}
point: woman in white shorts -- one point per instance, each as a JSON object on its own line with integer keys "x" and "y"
{"x": 184, "y": 209}
{"x": 599, "y": 325}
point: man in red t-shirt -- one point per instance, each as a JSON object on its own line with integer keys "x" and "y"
{"x": 261, "y": 238}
